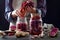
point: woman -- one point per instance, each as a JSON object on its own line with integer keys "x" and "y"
{"x": 11, "y": 11}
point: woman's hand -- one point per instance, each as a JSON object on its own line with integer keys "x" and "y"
{"x": 21, "y": 13}
{"x": 33, "y": 10}
{"x": 13, "y": 14}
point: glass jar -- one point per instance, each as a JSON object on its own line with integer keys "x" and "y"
{"x": 35, "y": 24}
{"x": 21, "y": 24}
{"x": 12, "y": 26}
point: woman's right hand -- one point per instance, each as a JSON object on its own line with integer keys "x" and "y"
{"x": 19, "y": 13}
{"x": 16, "y": 13}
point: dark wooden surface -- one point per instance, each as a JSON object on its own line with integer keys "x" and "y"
{"x": 46, "y": 37}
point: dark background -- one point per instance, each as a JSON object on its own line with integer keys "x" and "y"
{"x": 3, "y": 23}
{"x": 52, "y": 16}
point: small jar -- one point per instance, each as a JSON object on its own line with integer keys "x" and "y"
{"x": 12, "y": 26}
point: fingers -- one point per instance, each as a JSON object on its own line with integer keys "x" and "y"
{"x": 20, "y": 14}
{"x": 17, "y": 12}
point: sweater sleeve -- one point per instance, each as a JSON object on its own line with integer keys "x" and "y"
{"x": 41, "y": 4}
{"x": 8, "y": 10}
